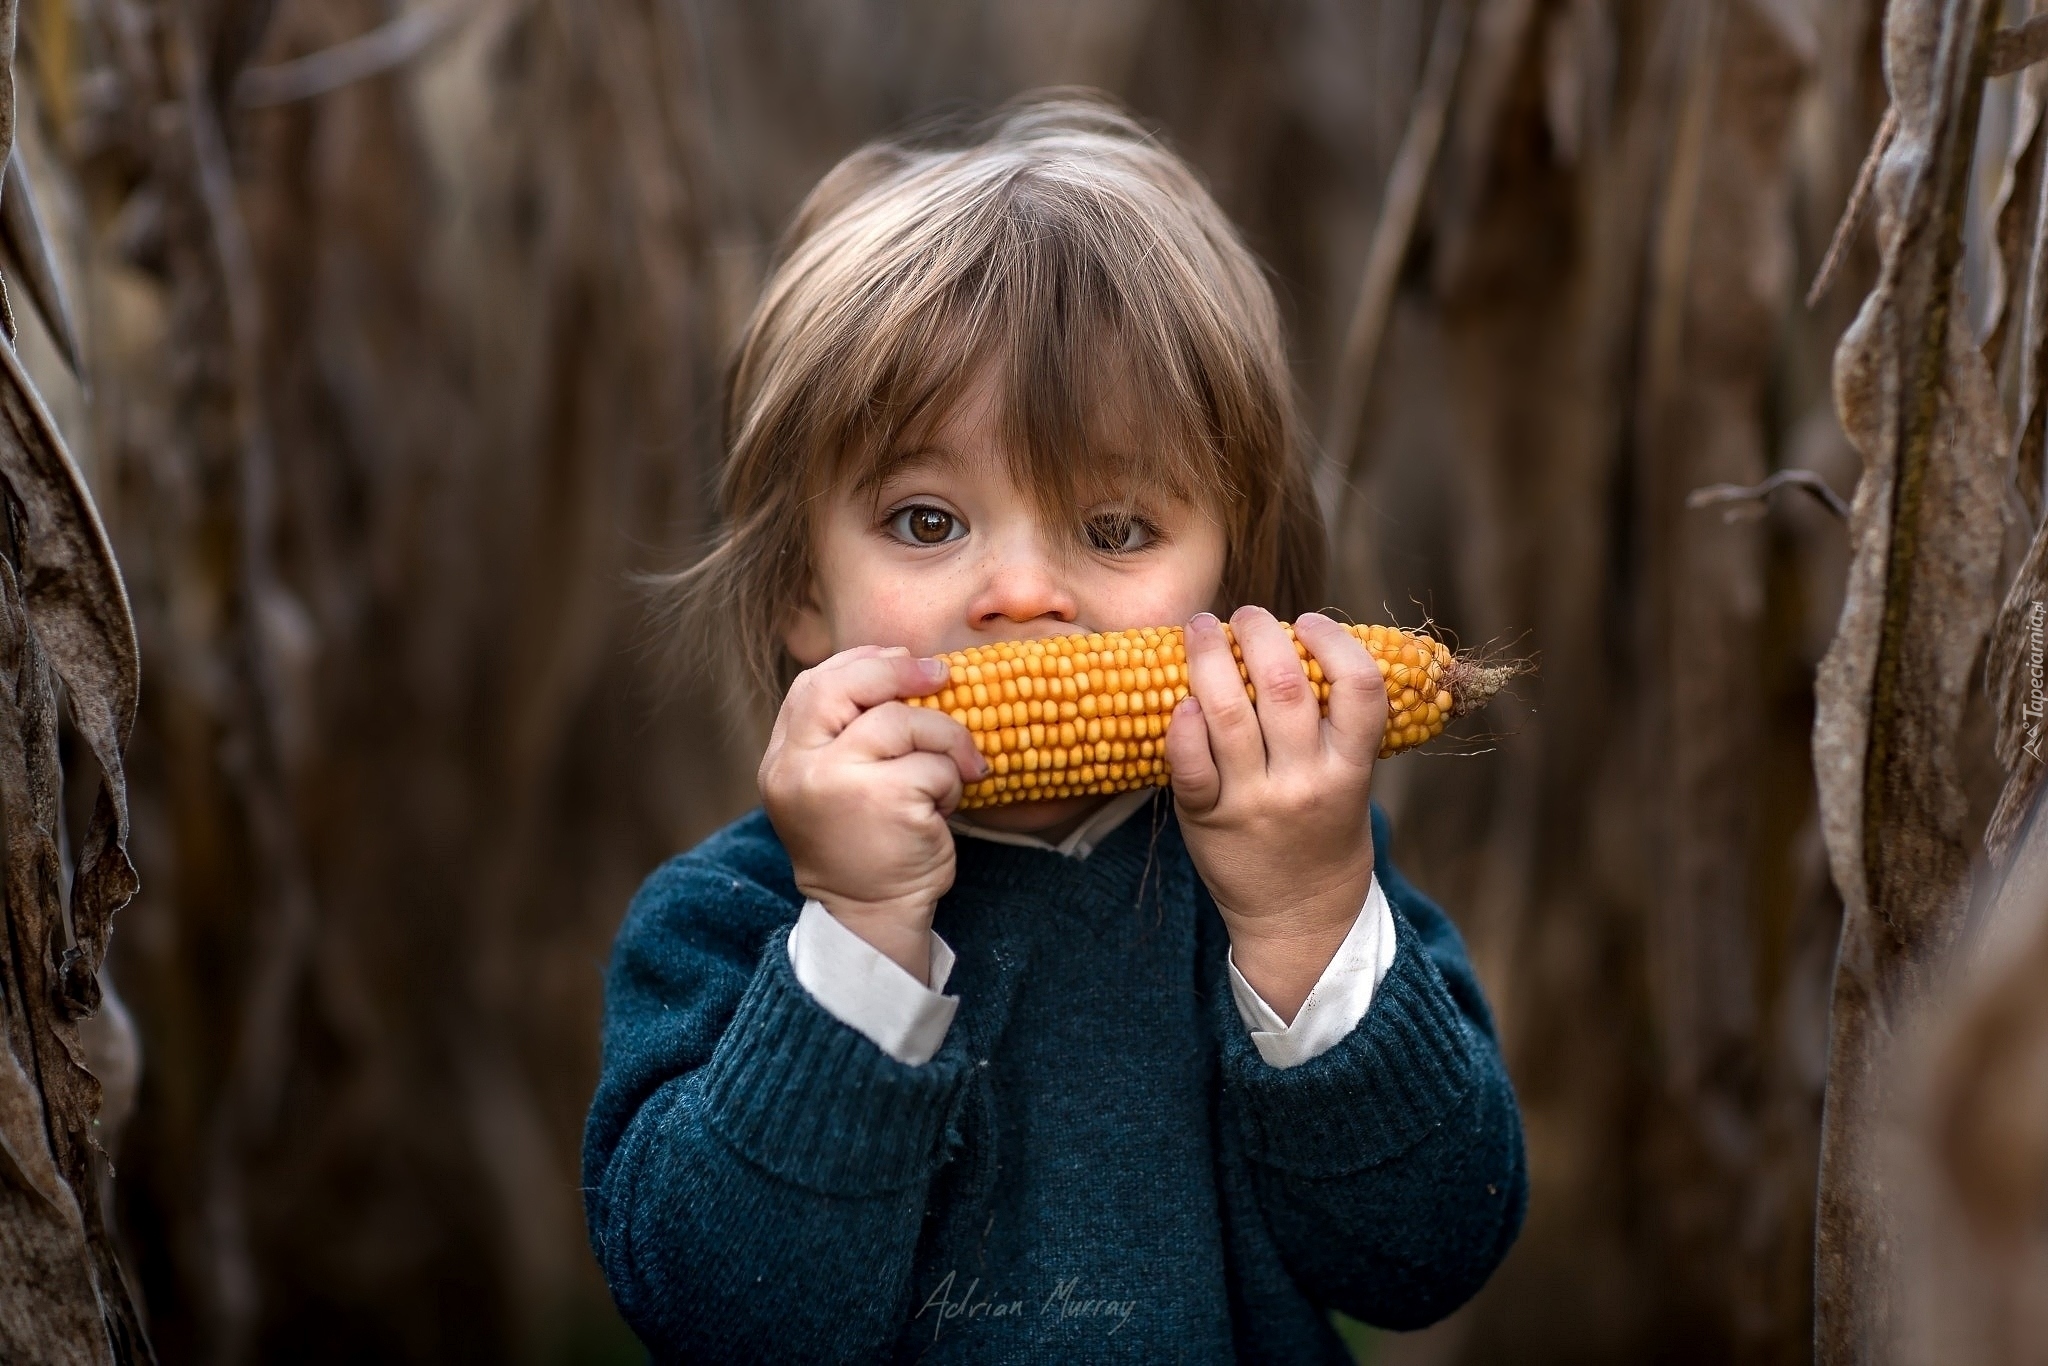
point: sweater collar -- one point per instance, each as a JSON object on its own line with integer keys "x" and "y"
{"x": 1081, "y": 841}
{"x": 1020, "y": 891}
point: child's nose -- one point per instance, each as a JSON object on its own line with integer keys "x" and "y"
{"x": 1022, "y": 589}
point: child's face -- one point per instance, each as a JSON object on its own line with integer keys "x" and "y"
{"x": 949, "y": 552}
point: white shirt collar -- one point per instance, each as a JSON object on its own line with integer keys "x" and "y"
{"x": 1085, "y": 836}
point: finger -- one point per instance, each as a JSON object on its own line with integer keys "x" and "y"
{"x": 825, "y": 700}
{"x": 853, "y": 652}
{"x": 1358, "y": 696}
{"x": 931, "y": 673}
{"x": 1289, "y": 715}
{"x": 933, "y": 776}
{"x": 1233, "y": 727}
{"x": 801, "y": 694}
{"x": 894, "y": 729}
{"x": 1197, "y": 786}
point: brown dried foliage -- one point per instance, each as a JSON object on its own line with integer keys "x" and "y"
{"x": 403, "y": 339}
{"x": 1930, "y": 1197}
{"x": 67, "y": 654}
{"x": 393, "y": 386}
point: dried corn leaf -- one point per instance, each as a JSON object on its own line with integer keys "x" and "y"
{"x": 2014, "y": 199}
{"x": 2017, "y": 681}
{"x": 2013, "y": 668}
{"x": 72, "y": 591}
{"x": 63, "y": 616}
{"x": 1918, "y": 401}
{"x": 62, "y": 1295}
{"x": 2029, "y": 373}
{"x": 30, "y": 262}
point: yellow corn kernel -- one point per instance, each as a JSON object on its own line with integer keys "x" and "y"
{"x": 1066, "y": 716}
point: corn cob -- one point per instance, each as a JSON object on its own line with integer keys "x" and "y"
{"x": 1066, "y": 716}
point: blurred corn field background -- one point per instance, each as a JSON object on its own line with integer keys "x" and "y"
{"x": 399, "y": 335}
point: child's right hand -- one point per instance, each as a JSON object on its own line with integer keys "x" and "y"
{"x": 859, "y": 786}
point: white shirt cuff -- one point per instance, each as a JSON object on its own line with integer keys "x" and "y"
{"x": 864, "y": 988}
{"x": 1339, "y": 999}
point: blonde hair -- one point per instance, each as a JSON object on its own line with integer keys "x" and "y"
{"x": 1058, "y": 240}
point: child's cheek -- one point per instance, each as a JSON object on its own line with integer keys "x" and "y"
{"x": 895, "y": 613}
{"x": 1179, "y": 586}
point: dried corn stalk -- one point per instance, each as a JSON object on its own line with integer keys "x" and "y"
{"x": 1917, "y": 398}
{"x": 64, "y": 631}
{"x": 397, "y": 379}
{"x": 1981, "y": 1272}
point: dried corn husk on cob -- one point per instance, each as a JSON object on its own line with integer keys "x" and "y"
{"x": 1066, "y": 716}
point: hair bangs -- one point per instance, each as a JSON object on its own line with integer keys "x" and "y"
{"x": 1101, "y": 378}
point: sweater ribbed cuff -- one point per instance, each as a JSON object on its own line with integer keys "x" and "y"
{"x": 1371, "y": 1096}
{"x": 815, "y": 1102}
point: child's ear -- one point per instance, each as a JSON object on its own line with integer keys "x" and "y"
{"x": 806, "y": 635}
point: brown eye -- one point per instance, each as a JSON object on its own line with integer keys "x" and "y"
{"x": 926, "y": 525}
{"x": 1119, "y": 533}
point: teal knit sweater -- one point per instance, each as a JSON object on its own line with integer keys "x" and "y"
{"x": 1097, "y": 1165}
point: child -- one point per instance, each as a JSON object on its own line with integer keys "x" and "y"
{"x": 1151, "y": 1077}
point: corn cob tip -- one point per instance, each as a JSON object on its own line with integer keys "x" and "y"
{"x": 1473, "y": 684}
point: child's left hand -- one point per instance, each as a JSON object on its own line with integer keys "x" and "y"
{"x": 1273, "y": 798}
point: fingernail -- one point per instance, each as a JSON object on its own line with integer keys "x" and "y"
{"x": 1205, "y": 621}
{"x": 933, "y": 669}
{"x": 1187, "y": 706}
{"x": 981, "y": 766}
